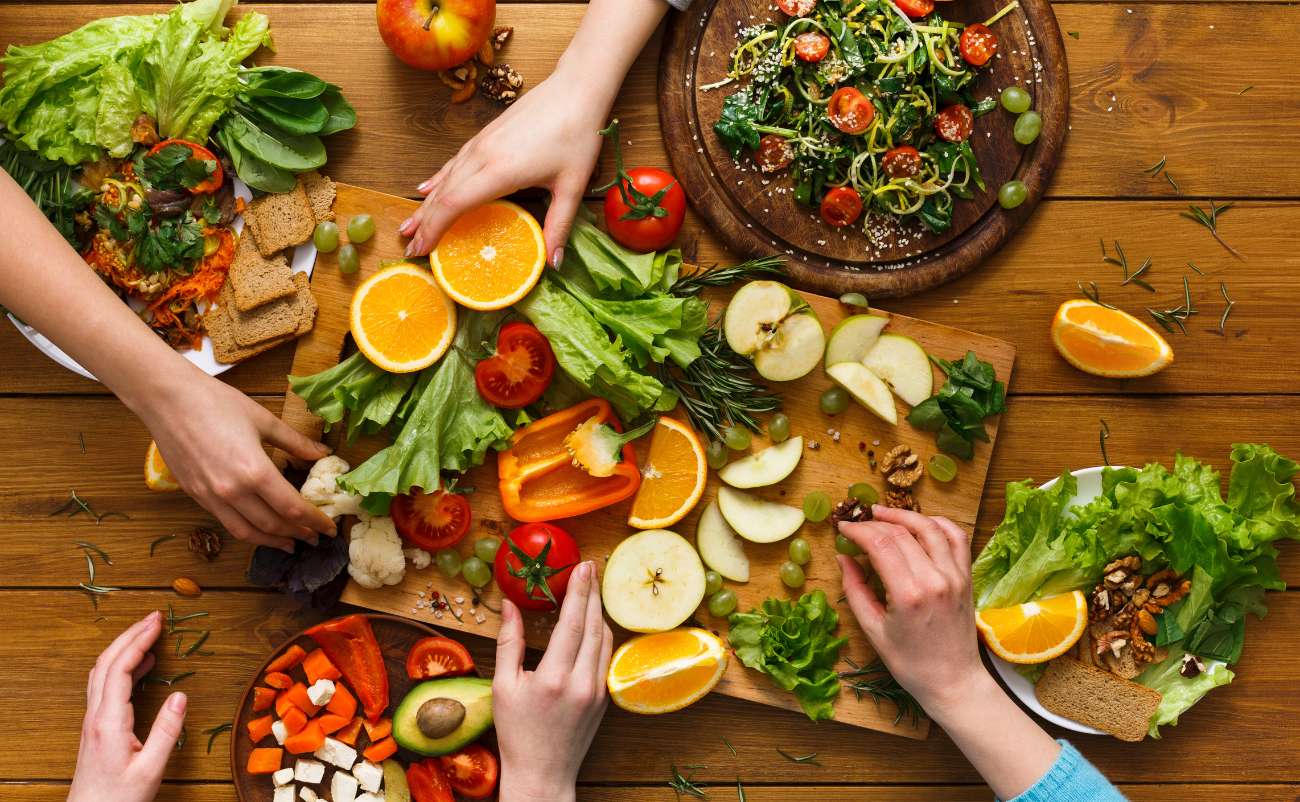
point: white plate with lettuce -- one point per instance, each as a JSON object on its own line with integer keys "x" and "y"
{"x": 1057, "y": 537}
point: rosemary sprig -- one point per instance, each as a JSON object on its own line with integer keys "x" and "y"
{"x": 1133, "y": 278}
{"x": 1103, "y": 434}
{"x": 874, "y": 680}
{"x": 740, "y": 790}
{"x": 1247, "y": 89}
{"x": 185, "y": 736}
{"x": 1193, "y": 266}
{"x": 91, "y": 587}
{"x": 1169, "y": 318}
{"x": 1072, "y": 34}
{"x": 693, "y": 283}
{"x": 1173, "y": 183}
{"x": 727, "y": 744}
{"x": 216, "y": 731}
{"x": 159, "y": 541}
{"x": 1120, "y": 259}
{"x": 720, "y": 388}
{"x": 91, "y": 547}
{"x": 198, "y": 644}
{"x": 173, "y": 620}
{"x": 1227, "y": 310}
{"x": 1210, "y": 220}
{"x": 1156, "y": 169}
{"x": 682, "y": 784}
{"x": 166, "y": 682}
{"x": 1093, "y": 294}
{"x": 810, "y": 758}
{"x": 76, "y": 505}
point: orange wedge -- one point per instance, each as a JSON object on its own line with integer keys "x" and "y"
{"x": 401, "y": 320}
{"x": 1108, "y": 342}
{"x": 490, "y": 257}
{"x": 673, "y": 478}
{"x": 1036, "y": 631}
{"x": 666, "y": 671}
{"x": 157, "y": 476}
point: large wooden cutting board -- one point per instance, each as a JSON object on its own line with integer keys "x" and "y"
{"x": 757, "y": 216}
{"x": 833, "y": 466}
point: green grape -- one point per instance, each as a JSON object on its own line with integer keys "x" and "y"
{"x": 834, "y": 401}
{"x": 712, "y": 582}
{"x": 448, "y": 561}
{"x": 861, "y": 491}
{"x": 326, "y": 237}
{"x": 942, "y": 468}
{"x": 1015, "y": 100}
{"x": 792, "y": 576}
{"x": 854, "y": 299}
{"x": 349, "y": 260}
{"x": 476, "y": 572}
{"x": 1012, "y": 194}
{"x": 485, "y": 548}
{"x": 715, "y": 453}
{"x": 1027, "y": 128}
{"x": 800, "y": 551}
{"x": 845, "y": 546}
{"x": 816, "y": 506}
{"x": 361, "y": 228}
{"x": 736, "y": 437}
{"x": 778, "y": 428}
{"x": 722, "y": 603}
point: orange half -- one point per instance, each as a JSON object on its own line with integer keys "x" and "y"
{"x": 401, "y": 320}
{"x": 157, "y": 476}
{"x": 673, "y": 478}
{"x": 1108, "y": 342}
{"x": 1036, "y": 631}
{"x": 666, "y": 671}
{"x": 490, "y": 257}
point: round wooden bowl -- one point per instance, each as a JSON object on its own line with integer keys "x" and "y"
{"x": 758, "y": 220}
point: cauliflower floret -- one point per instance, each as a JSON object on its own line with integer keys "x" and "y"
{"x": 418, "y": 557}
{"x": 375, "y": 554}
{"x": 322, "y": 490}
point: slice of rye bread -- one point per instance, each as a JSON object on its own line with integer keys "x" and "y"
{"x": 280, "y": 221}
{"x": 266, "y": 322}
{"x": 320, "y": 194}
{"x": 221, "y": 330}
{"x": 255, "y": 280}
{"x": 306, "y": 304}
{"x": 1098, "y": 698}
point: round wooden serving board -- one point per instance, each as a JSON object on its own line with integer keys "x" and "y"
{"x": 759, "y": 220}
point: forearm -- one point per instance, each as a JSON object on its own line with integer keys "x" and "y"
{"x": 609, "y": 38}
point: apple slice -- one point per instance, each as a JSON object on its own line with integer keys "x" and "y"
{"x": 866, "y": 388}
{"x": 774, "y": 327}
{"x": 853, "y": 337}
{"x": 758, "y": 520}
{"x": 720, "y": 547}
{"x": 766, "y": 467}
{"x": 903, "y": 365}
{"x": 653, "y": 581}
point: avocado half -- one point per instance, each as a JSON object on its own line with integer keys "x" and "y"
{"x": 474, "y": 694}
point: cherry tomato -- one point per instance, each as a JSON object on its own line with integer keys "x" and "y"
{"x": 903, "y": 161}
{"x": 774, "y": 153}
{"x": 978, "y": 44}
{"x": 647, "y": 227}
{"x": 538, "y": 581}
{"x": 915, "y": 8}
{"x": 850, "y": 111}
{"x": 812, "y": 46}
{"x": 520, "y": 370}
{"x": 430, "y": 521}
{"x": 954, "y": 123}
{"x": 472, "y": 771}
{"x": 841, "y": 206}
{"x": 427, "y": 783}
{"x": 797, "y": 8}
{"x": 202, "y": 154}
{"x": 437, "y": 657}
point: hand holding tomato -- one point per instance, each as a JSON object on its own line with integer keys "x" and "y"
{"x": 534, "y": 564}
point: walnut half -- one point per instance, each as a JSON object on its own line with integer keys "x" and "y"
{"x": 502, "y": 84}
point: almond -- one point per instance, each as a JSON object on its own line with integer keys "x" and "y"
{"x": 185, "y": 586}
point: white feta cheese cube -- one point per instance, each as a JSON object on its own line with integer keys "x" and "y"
{"x": 368, "y": 775}
{"x": 308, "y": 771}
{"x": 307, "y": 795}
{"x": 343, "y": 787}
{"x": 321, "y": 692}
{"x": 279, "y": 731}
{"x": 284, "y": 793}
{"x": 369, "y": 797}
{"x": 282, "y": 777}
{"x": 337, "y": 753}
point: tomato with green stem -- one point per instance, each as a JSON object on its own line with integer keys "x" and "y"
{"x": 430, "y": 521}
{"x": 519, "y": 371}
{"x": 533, "y": 565}
{"x": 644, "y": 206}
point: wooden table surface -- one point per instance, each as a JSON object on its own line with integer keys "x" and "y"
{"x": 1194, "y": 82}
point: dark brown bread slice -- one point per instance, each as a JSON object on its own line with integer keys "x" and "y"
{"x": 1097, "y": 698}
{"x": 266, "y": 322}
{"x": 280, "y": 221}
{"x": 306, "y": 304}
{"x": 320, "y": 194}
{"x": 221, "y": 329}
{"x": 256, "y": 280}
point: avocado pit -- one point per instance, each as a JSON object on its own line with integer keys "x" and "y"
{"x": 439, "y": 717}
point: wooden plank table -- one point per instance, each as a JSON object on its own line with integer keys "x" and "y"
{"x": 1150, "y": 79}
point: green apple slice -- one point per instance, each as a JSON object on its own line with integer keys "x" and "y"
{"x": 903, "y": 365}
{"x": 853, "y": 337}
{"x": 866, "y": 388}
{"x": 766, "y": 467}
{"x": 772, "y": 325}
{"x": 794, "y": 350}
{"x": 758, "y": 520}
{"x": 653, "y": 581}
{"x": 720, "y": 547}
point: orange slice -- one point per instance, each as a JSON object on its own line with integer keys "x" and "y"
{"x": 157, "y": 476}
{"x": 1108, "y": 342}
{"x": 1036, "y": 631}
{"x": 666, "y": 671}
{"x": 401, "y": 320}
{"x": 490, "y": 257}
{"x": 673, "y": 478}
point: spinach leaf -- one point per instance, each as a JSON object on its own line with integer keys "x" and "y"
{"x": 341, "y": 114}
{"x": 273, "y": 146}
{"x": 982, "y": 107}
{"x": 957, "y": 412}
{"x": 282, "y": 82}
{"x": 935, "y": 217}
{"x": 735, "y": 126}
{"x": 293, "y": 115}
{"x": 252, "y": 170}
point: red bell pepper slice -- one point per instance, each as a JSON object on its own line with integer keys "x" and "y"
{"x": 350, "y": 644}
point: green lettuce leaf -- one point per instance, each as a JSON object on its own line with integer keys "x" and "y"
{"x": 117, "y": 110}
{"x": 615, "y": 270}
{"x": 1178, "y": 693}
{"x": 366, "y": 394}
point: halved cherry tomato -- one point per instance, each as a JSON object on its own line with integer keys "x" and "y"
{"x": 520, "y": 370}
{"x": 202, "y": 154}
{"x": 954, "y": 123}
{"x": 430, "y": 521}
{"x": 437, "y": 657}
{"x": 915, "y": 8}
{"x": 903, "y": 161}
{"x": 427, "y": 782}
{"x": 774, "y": 153}
{"x": 978, "y": 44}
{"x": 812, "y": 46}
{"x": 850, "y": 111}
{"x": 841, "y": 206}
{"x": 472, "y": 771}
{"x": 797, "y": 8}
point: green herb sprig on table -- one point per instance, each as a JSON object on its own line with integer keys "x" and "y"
{"x": 875, "y": 681}
{"x": 956, "y": 413}
{"x": 1209, "y": 218}
{"x": 1178, "y": 315}
{"x": 683, "y": 785}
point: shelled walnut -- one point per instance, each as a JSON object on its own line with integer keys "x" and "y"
{"x": 902, "y": 469}
{"x": 500, "y": 82}
{"x": 850, "y": 510}
{"x": 1123, "y": 612}
{"x": 205, "y": 542}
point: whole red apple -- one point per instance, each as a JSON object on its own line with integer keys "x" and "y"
{"x": 435, "y": 34}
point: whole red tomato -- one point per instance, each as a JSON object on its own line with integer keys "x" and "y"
{"x": 532, "y": 566}
{"x": 435, "y": 34}
{"x": 644, "y": 211}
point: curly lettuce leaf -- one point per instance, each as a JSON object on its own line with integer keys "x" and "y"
{"x": 366, "y": 394}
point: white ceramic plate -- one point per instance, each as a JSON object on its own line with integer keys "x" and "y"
{"x": 304, "y": 258}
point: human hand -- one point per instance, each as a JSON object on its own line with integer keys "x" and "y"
{"x": 545, "y": 719}
{"x": 112, "y": 764}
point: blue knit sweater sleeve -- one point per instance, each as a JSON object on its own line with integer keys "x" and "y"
{"x": 1071, "y": 779}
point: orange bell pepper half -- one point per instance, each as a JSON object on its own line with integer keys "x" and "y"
{"x": 537, "y": 476}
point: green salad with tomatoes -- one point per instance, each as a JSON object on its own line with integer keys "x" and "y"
{"x": 869, "y": 104}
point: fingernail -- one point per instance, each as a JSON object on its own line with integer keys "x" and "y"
{"x": 287, "y": 548}
{"x": 154, "y": 616}
{"x": 557, "y": 257}
{"x": 322, "y": 448}
{"x": 405, "y": 227}
{"x": 424, "y": 185}
{"x": 176, "y": 702}
{"x": 414, "y": 246}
